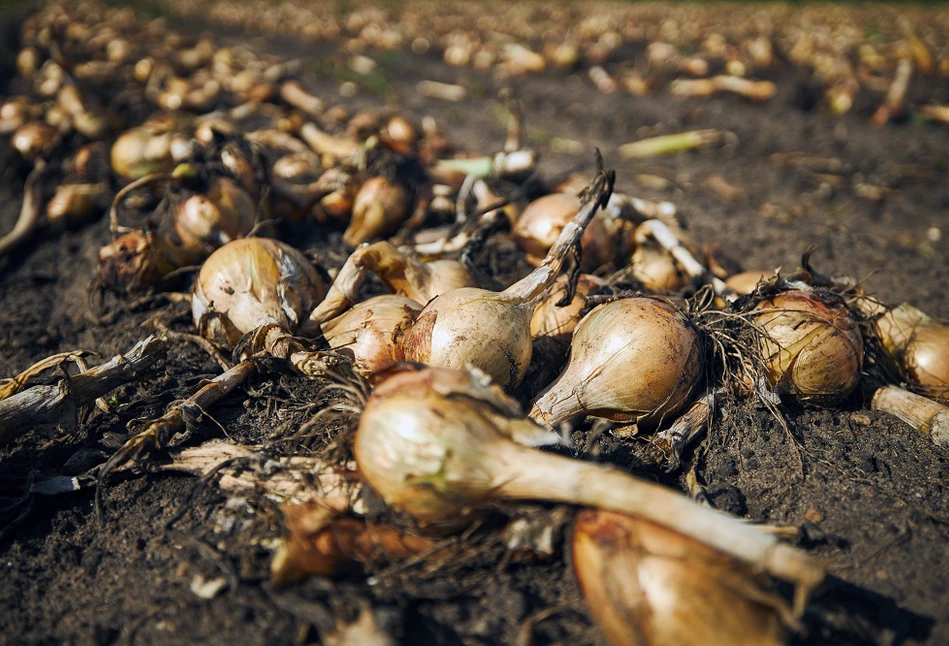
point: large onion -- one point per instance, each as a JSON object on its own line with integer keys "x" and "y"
{"x": 811, "y": 347}
{"x": 633, "y": 360}
{"x": 252, "y": 282}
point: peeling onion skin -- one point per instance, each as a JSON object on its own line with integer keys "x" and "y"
{"x": 646, "y": 585}
{"x": 813, "y": 349}
{"x": 252, "y": 282}
{"x": 371, "y": 331}
{"x": 634, "y": 360}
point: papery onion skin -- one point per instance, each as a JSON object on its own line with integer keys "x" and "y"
{"x": 372, "y": 331}
{"x": 646, "y": 585}
{"x": 631, "y": 360}
{"x": 208, "y": 220}
{"x": 812, "y": 348}
{"x": 473, "y": 327}
{"x": 251, "y": 282}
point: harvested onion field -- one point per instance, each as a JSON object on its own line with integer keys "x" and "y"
{"x": 288, "y": 278}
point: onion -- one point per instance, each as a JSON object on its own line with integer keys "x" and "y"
{"x": 252, "y": 282}
{"x": 371, "y": 330}
{"x": 542, "y": 221}
{"x": 649, "y": 586}
{"x": 73, "y": 203}
{"x": 811, "y": 346}
{"x": 145, "y": 150}
{"x": 379, "y": 208}
{"x": 559, "y": 322}
{"x": 655, "y": 269}
{"x": 399, "y": 135}
{"x": 917, "y": 347}
{"x": 139, "y": 260}
{"x": 208, "y": 220}
{"x": 653, "y": 346}
{"x": 491, "y": 330}
{"x": 14, "y": 112}
{"x": 746, "y": 281}
{"x": 441, "y": 444}
{"x": 34, "y": 139}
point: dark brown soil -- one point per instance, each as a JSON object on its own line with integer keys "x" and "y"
{"x": 871, "y": 495}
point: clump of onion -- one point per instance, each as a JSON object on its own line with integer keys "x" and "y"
{"x": 403, "y": 273}
{"x": 647, "y": 585}
{"x": 372, "y": 331}
{"x": 811, "y": 346}
{"x": 556, "y": 321}
{"x": 379, "y": 208}
{"x": 916, "y": 345}
{"x": 634, "y": 360}
{"x": 139, "y": 260}
{"x": 208, "y": 220}
{"x": 442, "y": 444}
{"x": 491, "y": 330}
{"x": 253, "y": 282}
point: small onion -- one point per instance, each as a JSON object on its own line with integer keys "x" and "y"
{"x": 918, "y": 348}
{"x": 556, "y": 322}
{"x": 655, "y": 269}
{"x": 33, "y": 139}
{"x": 655, "y": 351}
{"x": 646, "y": 585}
{"x": 746, "y": 281}
{"x": 399, "y": 135}
{"x": 208, "y": 220}
{"x": 372, "y": 329}
{"x": 73, "y": 203}
{"x": 138, "y": 260}
{"x": 14, "y": 112}
{"x": 145, "y": 150}
{"x": 379, "y": 208}
{"x": 812, "y": 348}
{"x": 251, "y": 282}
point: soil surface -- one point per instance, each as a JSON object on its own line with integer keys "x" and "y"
{"x": 870, "y": 495}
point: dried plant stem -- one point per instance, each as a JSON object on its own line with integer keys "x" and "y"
{"x": 938, "y": 113}
{"x": 114, "y": 225}
{"x": 58, "y": 403}
{"x": 692, "y": 267}
{"x": 158, "y": 432}
{"x": 896, "y": 94}
{"x": 926, "y": 416}
{"x": 31, "y": 212}
{"x": 667, "y": 144}
{"x": 687, "y": 428}
{"x": 11, "y": 386}
{"x": 584, "y": 483}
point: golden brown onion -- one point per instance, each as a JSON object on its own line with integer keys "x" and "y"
{"x": 918, "y": 348}
{"x": 372, "y": 330}
{"x": 33, "y": 139}
{"x": 646, "y": 585}
{"x": 813, "y": 349}
{"x": 746, "y": 282}
{"x": 138, "y": 260}
{"x": 632, "y": 360}
{"x": 208, "y": 220}
{"x": 556, "y": 322}
{"x": 379, "y": 208}
{"x": 538, "y": 226}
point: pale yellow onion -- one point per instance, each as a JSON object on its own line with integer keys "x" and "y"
{"x": 813, "y": 350}
{"x": 379, "y": 208}
{"x": 646, "y": 585}
{"x": 538, "y": 226}
{"x": 441, "y": 444}
{"x": 632, "y": 360}
{"x": 918, "y": 347}
{"x": 372, "y": 329}
{"x": 655, "y": 269}
{"x": 251, "y": 282}
{"x": 745, "y": 282}
{"x": 208, "y": 220}
{"x": 551, "y": 320}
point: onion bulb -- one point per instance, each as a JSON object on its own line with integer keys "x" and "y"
{"x": 745, "y": 282}
{"x": 138, "y": 260}
{"x": 34, "y": 139}
{"x": 371, "y": 331}
{"x": 379, "y": 208}
{"x": 491, "y": 330}
{"x": 559, "y": 322}
{"x": 14, "y": 112}
{"x": 251, "y": 282}
{"x": 208, "y": 220}
{"x": 145, "y": 150}
{"x": 73, "y": 203}
{"x": 811, "y": 347}
{"x": 646, "y": 585}
{"x": 917, "y": 346}
{"x": 654, "y": 348}
{"x": 441, "y": 444}
{"x": 399, "y": 135}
